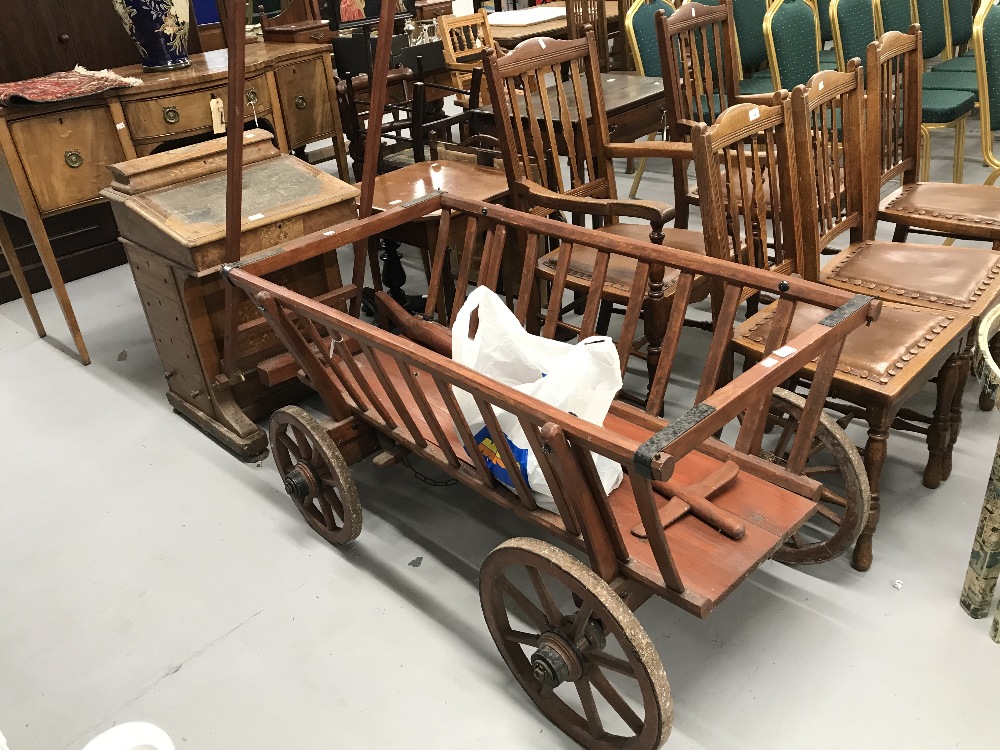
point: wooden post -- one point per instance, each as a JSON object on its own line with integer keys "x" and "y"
{"x": 376, "y": 108}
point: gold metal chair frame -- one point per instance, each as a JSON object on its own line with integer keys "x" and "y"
{"x": 772, "y": 52}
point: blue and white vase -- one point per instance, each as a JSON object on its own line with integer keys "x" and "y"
{"x": 159, "y": 29}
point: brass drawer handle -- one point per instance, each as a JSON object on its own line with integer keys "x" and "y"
{"x": 251, "y": 96}
{"x": 171, "y": 115}
{"x": 300, "y": 102}
{"x": 73, "y": 159}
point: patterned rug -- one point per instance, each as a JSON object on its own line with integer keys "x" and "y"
{"x": 59, "y": 87}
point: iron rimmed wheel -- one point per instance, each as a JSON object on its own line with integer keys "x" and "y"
{"x": 315, "y": 475}
{"x": 574, "y": 647}
{"x": 835, "y": 462}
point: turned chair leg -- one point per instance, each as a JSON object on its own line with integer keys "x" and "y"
{"x": 984, "y": 562}
{"x": 964, "y": 368}
{"x": 879, "y": 421}
{"x": 939, "y": 430}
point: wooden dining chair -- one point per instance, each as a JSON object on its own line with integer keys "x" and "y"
{"x": 640, "y": 27}
{"x": 958, "y": 211}
{"x": 593, "y": 13}
{"x": 700, "y": 80}
{"x": 881, "y": 366}
{"x": 464, "y": 39}
{"x": 548, "y": 102}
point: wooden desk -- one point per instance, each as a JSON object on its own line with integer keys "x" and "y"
{"x": 55, "y": 158}
{"x": 509, "y": 37}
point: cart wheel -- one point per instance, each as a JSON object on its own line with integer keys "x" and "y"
{"x": 579, "y": 663}
{"x": 316, "y": 475}
{"x": 835, "y": 461}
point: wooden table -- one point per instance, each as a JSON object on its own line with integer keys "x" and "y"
{"x": 509, "y": 37}
{"x": 55, "y": 158}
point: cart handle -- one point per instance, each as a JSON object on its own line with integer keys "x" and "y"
{"x": 652, "y": 456}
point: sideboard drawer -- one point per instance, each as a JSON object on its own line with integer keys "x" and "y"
{"x": 305, "y": 101}
{"x": 66, "y": 155}
{"x": 172, "y": 115}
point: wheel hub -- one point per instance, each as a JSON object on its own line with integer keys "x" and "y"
{"x": 300, "y": 482}
{"x": 558, "y": 660}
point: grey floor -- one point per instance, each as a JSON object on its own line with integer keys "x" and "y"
{"x": 146, "y": 574}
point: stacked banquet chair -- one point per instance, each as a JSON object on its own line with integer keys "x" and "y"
{"x": 924, "y": 326}
{"x": 827, "y": 56}
{"x": 794, "y": 44}
{"x": 641, "y": 32}
{"x": 751, "y": 47}
{"x": 960, "y": 17}
{"x": 854, "y": 28}
{"x": 892, "y": 15}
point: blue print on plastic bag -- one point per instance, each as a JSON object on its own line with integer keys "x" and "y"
{"x": 488, "y": 450}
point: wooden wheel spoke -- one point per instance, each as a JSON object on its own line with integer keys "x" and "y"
{"x": 519, "y": 636}
{"x": 815, "y": 471}
{"x": 795, "y": 540}
{"x": 552, "y": 612}
{"x": 829, "y": 497}
{"x": 606, "y": 661}
{"x": 527, "y": 607}
{"x": 828, "y": 514}
{"x": 329, "y": 517}
{"x": 302, "y": 441}
{"x": 787, "y": 431}
{"x": 580, "y": 623}
{"x": 590, "y": 711}
{"x": 615, "y": 699}
{"x": 289, "y": 445}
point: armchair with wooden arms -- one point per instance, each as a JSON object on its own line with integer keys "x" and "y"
{"x": 548, "y": 102}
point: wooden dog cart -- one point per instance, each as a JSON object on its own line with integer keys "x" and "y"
{"x": 567, "y": 630}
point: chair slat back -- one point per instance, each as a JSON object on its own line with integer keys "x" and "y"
{"x": 700, "y": 79}
{"x": 593, "y": 13}
{"x": 548, "y": 101}
{"x": 748, "y": 209}
{"x": 893, "y": 70}
{"x": 830, "y": 148}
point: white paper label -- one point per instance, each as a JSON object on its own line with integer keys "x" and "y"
{"x": 785, "y": 351}
{"x": 821, "y": 84}
{"x": 395, "y": 202}
{"x": 255, "y": 217}
{"x": 611, "y": 80}
{"x": 329, "y": 233}
{"x": 769, "y": 362}
{"x": 754, "y": 114}
{"x": 120, "y": 126}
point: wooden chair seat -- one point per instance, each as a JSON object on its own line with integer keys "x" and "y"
{"x": 621, "y": 270}
{"x": 939, "y": 206}
{"x": 943, "y": 278}
{"x": 709, "y": 563}
{"x": 894, "y": 356}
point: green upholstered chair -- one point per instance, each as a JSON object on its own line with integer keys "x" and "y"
{"x": 960, "y": 19}
{"x": 792, "y": 36}
{"x": 640, "y": 28}
{"x": 853, "y": 26}
{"x": 932, "y": 15}
{"x": 827, "y": 57}
{"x": 892, "y": 15}
{"x": 751, "y": 49}
{"x": 986, "y": 46}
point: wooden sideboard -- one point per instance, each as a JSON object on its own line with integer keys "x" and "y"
{"x": 55, "y": 158}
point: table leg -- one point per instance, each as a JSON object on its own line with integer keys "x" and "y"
{"x": 984, "y": 563}
{"x": 14, "y": 264}
{"x": 41, "y": 240}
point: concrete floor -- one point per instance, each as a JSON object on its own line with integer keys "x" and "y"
{"x": 146, "y": 574}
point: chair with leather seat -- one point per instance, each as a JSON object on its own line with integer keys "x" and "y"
{"x": 640, "y": 27}
{"x": 564, "y": 82}
{"x": 792, "y": 36}
{"x": 881, "y": 366}
{"x": 958, "y": 211}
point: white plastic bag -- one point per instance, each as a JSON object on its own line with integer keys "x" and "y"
{"x": 580, "y": 378}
